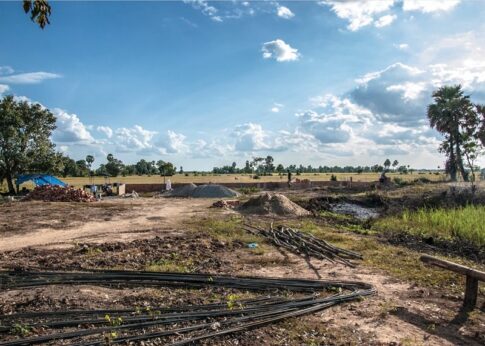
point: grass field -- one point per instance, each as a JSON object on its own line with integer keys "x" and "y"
{"x": 247, "y": 178}
{"x": 464, "y": 223}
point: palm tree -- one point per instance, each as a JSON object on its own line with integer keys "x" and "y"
{"x": 447, "y": 115}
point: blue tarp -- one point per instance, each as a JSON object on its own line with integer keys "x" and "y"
{"x": 40, "y": 179}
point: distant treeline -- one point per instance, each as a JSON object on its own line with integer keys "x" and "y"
{"x": 265, "y": 166}
{"x": 114, "y": 167}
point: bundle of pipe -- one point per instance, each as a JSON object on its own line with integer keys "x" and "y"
{"x": 305, "y": 244}
{"x": 214, "y": 319}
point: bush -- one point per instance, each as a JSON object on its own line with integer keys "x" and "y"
{"x": 333, "y": 177}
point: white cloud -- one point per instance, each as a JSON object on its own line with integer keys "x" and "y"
{"x": 28, "y": 78}
{"x": 284, "y": 12}
{"x": 429, "y": 6}
{"x": 3, "y": 88}
{"x": 402, "y": 46}
{"x": 108, "y": 132}
{"x": 70, "y": 129}
{"x": 280, "y": 51}
{"x": 385, "y": 20}
{"x": 410, "y": 91}
{"x": 250, "y": 137}
{"x": 173, "y": 143}
{"x": 133, "y": 139}
{"x": 6, "y": 70}
{"x": 358, "y": 13}
{"x": 276, "y": 107}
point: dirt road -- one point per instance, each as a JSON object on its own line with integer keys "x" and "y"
{"x": 27, "y": 224}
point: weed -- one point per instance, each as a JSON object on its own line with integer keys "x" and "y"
{"x": 465, "y": 224}
{"x": 20, "y": 329}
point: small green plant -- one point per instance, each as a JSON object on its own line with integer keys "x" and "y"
{"x": 233, "y": 302}
{"x": 333, "y": 177}
{"x": 20, "y": 329}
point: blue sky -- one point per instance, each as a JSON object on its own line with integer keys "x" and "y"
{"x": 207, "y": 83}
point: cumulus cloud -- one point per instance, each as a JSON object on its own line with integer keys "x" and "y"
{"x": 173, "y": 143}
{"x": 429, "y": 6}
{"x": 250, "y": 137}
{"x": 28, "y": 78}
{"x": 385, "y": 20}
{"x": 359, "y": 13}
{"x": 280, "y": 51}
{"x": 106, "y": 130}
{"x": 70, "y": 129}
{"x": 284, "y": 12}
{"x": 131, "y": 139}
{"x": 387, "y": 93}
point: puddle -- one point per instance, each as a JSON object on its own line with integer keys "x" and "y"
{"x": 357, "y": 211}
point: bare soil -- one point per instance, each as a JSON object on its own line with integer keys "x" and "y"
{"x": 135, "y": 234}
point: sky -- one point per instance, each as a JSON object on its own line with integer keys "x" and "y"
{"x": 205, "y": 83}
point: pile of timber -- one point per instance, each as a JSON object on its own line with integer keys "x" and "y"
{"x": 54, "y": 193}
{"x": 304, "y": 244}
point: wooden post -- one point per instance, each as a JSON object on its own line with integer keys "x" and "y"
{"x": 472, "y": 278}
{"x": 471, "y": 292}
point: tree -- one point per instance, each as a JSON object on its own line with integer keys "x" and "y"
{"x": 25, "y": 145}
{"x": 114, "y": 166}
{"x": 268, "y": 164}
{"x": 395, "y": 163}
{"x": 280, "y": 168}
{"x": 166, "y": 168}
{"x": 457, "y": 118}
{"x": 39, "y": 10}
{"x": 387, "y": 163}
{"x": 89, "y": 161}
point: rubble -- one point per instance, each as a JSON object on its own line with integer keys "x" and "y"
{"x": 229, "y": 204}
{"x": 55, "y": 193}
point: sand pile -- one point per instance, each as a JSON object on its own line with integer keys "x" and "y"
{"x": 202, "y": 191}
{"x": 273, "y": 203}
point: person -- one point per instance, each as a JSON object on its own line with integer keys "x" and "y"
{"x": 289, "y": 178}
{"x": 94, "y": 189}
{"x": 383, "y": 179}
{"x": 168, "y": 186}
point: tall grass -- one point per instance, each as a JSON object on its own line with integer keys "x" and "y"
{"x": 467, "y": 223}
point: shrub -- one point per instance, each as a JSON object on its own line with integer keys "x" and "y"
{"x": 333, "y": 177}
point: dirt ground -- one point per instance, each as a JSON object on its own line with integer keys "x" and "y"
{"x": 163, "y": 234}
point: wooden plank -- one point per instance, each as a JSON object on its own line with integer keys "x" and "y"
{"x": 471, "y": 293}
{"x": 454, "y": 267}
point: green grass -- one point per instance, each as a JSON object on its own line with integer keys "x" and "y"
{"x": 466, "y": 224}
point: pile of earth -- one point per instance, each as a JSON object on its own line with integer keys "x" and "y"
{"x": 273, "y": 204}
{"x": 203, "y": 191}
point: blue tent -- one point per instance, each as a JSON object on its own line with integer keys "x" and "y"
{"x": 40, "y": 179}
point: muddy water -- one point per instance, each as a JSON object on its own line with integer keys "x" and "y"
{"x": 357, "y": 211}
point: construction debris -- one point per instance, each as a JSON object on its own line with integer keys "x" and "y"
{"x": 273, "y": 204}
{"x": 228, "y": 204}
{"x": 55, "y": 193}
{"x": 305, "y": 245}
{"x": 182, "y": 325}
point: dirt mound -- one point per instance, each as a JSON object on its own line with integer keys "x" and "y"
{"x": 273, "y": 203}
{"x": 54, "y": 193}
{"x": 213, "y": 191}
{"x": 182, "y": 191}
